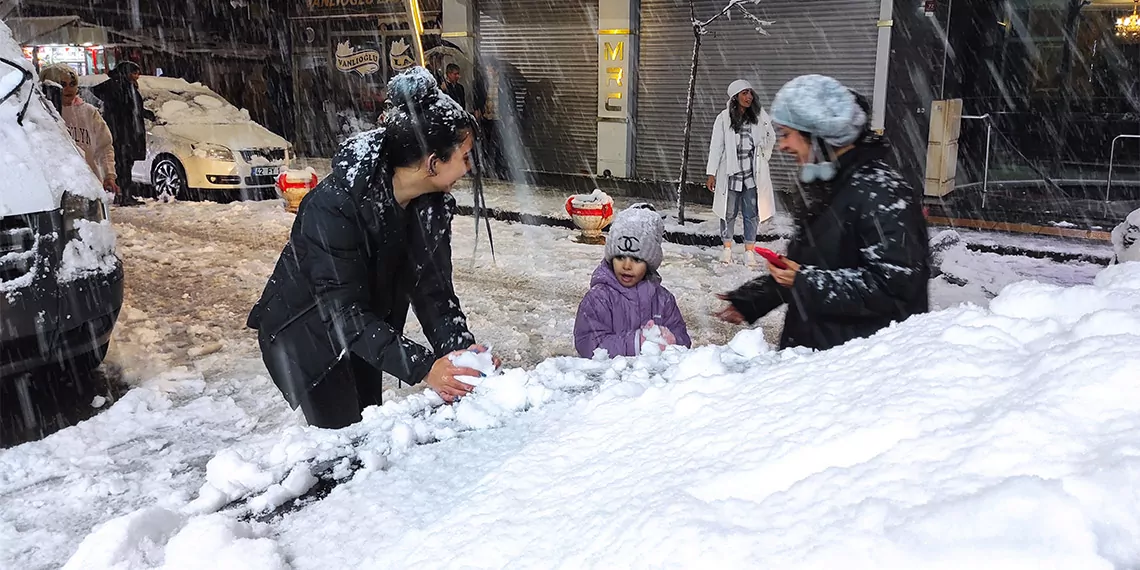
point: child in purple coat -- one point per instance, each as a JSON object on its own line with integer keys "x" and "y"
{"x": 626, "y": 304}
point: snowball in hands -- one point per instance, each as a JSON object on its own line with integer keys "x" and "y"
{"x": 652, "y": 334}
{"x": 483, "y": 361}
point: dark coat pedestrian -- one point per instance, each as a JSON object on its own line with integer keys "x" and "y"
{"x": 125, "y": 115}
{"x": 372, "y": 239}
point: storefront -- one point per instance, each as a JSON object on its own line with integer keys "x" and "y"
{"x": 544, "y": 57}
{"x": 830, "y": 37}
{"x": 1060, "y": 81}
{"x": 66, "y": 40}
{"x": 552, "y": 50}
{"x": 343, "y": 54}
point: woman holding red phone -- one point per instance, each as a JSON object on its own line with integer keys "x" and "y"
{"x": 859, "y": 258}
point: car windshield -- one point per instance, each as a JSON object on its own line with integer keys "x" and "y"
{"x": 175, "y": 101}
{"x": 12, "y": 78}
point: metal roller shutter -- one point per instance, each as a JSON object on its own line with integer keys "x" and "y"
{"x": 830, "y": 37}
{"x": 554, "y": 46}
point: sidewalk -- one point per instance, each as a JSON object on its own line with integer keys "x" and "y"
{"x": 543, "y": 205}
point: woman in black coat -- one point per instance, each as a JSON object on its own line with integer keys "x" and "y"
{"x": 369, "y": 241}
{"x": 859, "y": 260}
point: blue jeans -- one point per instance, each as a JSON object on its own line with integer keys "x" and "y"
{"x": 736, "y": 202}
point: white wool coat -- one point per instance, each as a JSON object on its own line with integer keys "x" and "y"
{"x": 92, "y": 136}
{"x": 723, "y": 163}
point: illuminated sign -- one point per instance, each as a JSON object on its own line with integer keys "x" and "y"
{"x": 613, "y": 76}
{"x": 357, "y": 60}
{"x": 400, "y": 56}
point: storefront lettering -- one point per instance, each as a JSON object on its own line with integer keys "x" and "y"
{"x": 319, "y": 4}
{"x": 353, "y": 60}
{"x": 615, "y": 76}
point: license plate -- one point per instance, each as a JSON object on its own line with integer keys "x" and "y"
{"x": 266, "y": 170}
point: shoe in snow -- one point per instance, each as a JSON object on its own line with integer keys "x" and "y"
{"x": 726, "y": 256}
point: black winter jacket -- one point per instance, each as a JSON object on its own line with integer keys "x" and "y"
{"x": 863, "y": 250}
{"x": 354, "y": 263}
{"x": 124, "y": 112}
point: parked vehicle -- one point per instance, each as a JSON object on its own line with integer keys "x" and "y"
{"x": 199, "y": 144}
{"x": 61, "y": 284}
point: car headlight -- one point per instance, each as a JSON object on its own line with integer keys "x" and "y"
{"x": 77, "y": 208}
{"x": 214, "y": 152}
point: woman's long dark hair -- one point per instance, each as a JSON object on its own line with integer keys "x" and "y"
{"x": 419, "y": 120}
{"x": 740, "y": 116}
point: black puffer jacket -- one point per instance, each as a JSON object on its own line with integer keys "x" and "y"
{"x": 354, "y": 263}
{"x": 124, "y": 112}
{"x": 862, "y": 244}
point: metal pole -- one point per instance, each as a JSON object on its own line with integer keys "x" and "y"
{"x": 688, "y": 122}
{"x": 986, "y": 168}
{"x": 1111, "y": 159}
{"x": 986, "y": 171}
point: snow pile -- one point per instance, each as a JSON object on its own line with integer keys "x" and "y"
{"x": 972, "y": 437}
{"x": 954, "y": 263}
{"x": 269, "y": 478}
{"x": 1126, "y": 238}
{"x": 159, "y": 538}
{"x": 92, "y": 252}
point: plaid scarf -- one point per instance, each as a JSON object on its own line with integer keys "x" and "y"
{"x": 746, "y": 154}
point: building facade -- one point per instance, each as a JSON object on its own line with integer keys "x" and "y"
{"x": 601, "y": 89}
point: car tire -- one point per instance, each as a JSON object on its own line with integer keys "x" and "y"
{"x": 168, "y": 177}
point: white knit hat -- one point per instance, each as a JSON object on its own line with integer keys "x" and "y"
{"x": 737, "y": 86}
{"x": 822, "y": 106}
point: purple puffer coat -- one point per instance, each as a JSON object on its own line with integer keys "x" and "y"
{"x": 610, "y": 315}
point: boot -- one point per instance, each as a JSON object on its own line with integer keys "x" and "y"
{"x": 726, "y": 256}
{"x": 749, "y": 258}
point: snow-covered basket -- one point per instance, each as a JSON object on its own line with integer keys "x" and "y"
{"x": 293, "y": 185}
{"x": 591, "y": 214}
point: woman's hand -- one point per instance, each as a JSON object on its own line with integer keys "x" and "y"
{"x": 785, "y": 277}
{"x": 711, "y": 183}
{"x": 729, "y": 314}
{"x": 441, "y": 378}
{"x": 110, "y": 185}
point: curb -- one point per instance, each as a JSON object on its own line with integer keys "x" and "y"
{"x": 710, "y": 240}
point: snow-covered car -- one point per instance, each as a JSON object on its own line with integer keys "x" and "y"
{"x": 199, "y": 141}
{"x": 61, "y": 284}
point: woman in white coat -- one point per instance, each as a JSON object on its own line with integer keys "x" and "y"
{"x": 742, "y": 143}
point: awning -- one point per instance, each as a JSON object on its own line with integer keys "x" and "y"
{"x": 66, "y": 30}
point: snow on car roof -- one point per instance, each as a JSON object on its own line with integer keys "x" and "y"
{"x": 177, "y": 101}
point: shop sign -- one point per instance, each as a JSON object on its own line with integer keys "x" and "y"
{"x": 613, "y": 77}
{"x": 401, "y": 56}
{"x": 361, "y": 61}
{"x": 341, "y": 4}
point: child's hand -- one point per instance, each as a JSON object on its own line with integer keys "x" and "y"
{"x": 668, "y": 335}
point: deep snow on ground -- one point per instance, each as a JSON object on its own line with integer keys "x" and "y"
{"x": 193, "y": 270}
{"x": 972, "y": 437}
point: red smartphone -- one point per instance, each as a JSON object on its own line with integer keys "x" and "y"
{"x": 772, "y": 257}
